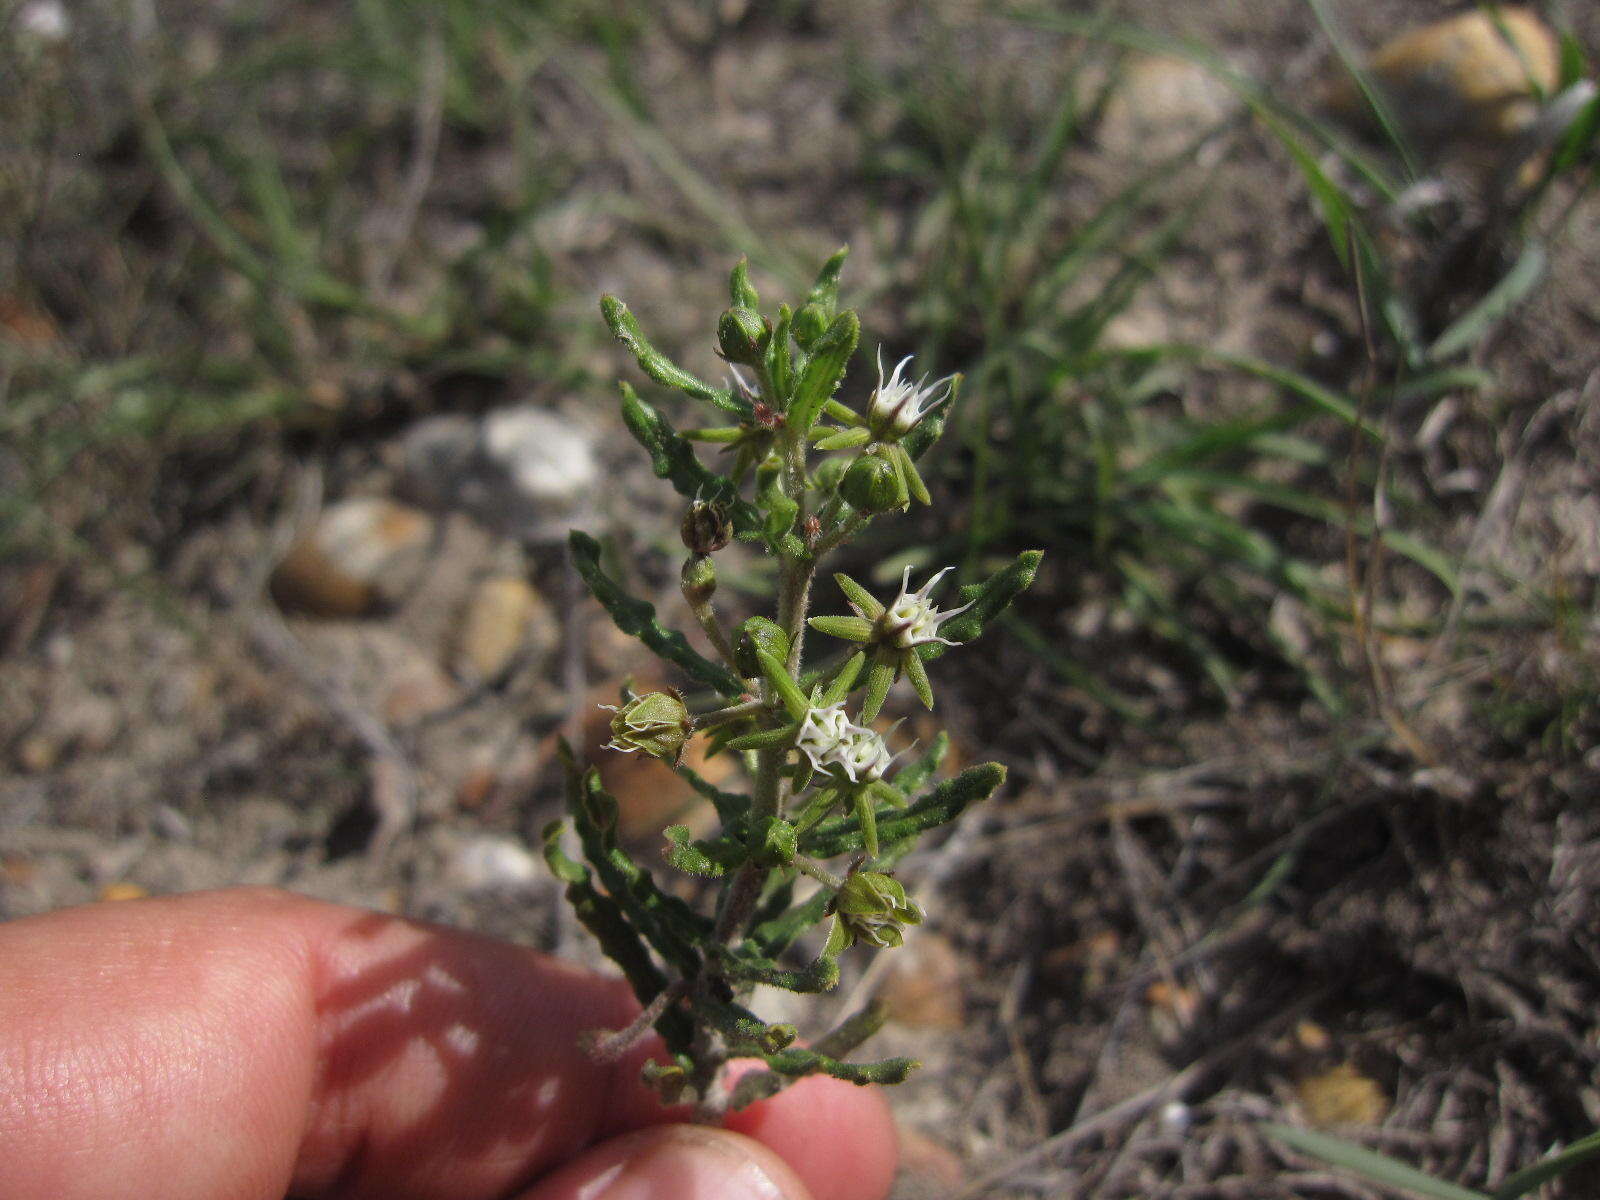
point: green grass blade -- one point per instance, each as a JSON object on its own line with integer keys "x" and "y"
{"x": 1524, "y": 1181}
{"x": 1504, "y": 296}
{"x": 1379, "y": 1168}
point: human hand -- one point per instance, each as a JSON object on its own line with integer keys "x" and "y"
{"x": 248, "y": 1044}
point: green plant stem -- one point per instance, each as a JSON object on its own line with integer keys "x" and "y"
{"x": 811, "y": 867}
{"x": 706, "y": 616}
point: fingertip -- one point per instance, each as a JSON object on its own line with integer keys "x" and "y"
{"x": 675, "y": 1162}
{"x": 838, "y": 1137}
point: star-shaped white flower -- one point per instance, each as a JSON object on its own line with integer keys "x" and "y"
{"x": 898, "y": 404}
{"x": 911, "y": 619}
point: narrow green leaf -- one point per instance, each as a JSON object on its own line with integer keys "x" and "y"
{"x": 1379, "y": 1168}
{"x": 845, "y": 679}
{"x": 825, "y": 291}
{"x": 661, "y": 368}
{"x": 763, "y": 739}
{"x": 918, "y": 674}
{"x": 1504, "y": 296}
{"x": 989, "y": 599}
{"x": 851, "y": 629}
{"x": 638, "y": 618}
{"x": 823, "y": 371}
{"x": 943, "y": 804}
{"x": 880, "y": 678}
{"x": 783, "y": 683}
{"x": 772, "y": 937}
{"x": 740, "y": 293}
{"x": 867, "y": 820}
{"x": 840, "y": 439}
{"x": 1524, "y": 1181}
{"x": 864, "y": 601}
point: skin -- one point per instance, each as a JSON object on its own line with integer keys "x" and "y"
{"x": 248, "y": 1044}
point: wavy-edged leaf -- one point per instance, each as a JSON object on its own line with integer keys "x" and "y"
{"x": 638, "y": 618}
{"x": 662, "y": 369}
{"x": 707, "y": 859}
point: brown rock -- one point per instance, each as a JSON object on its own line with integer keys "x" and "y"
{"x": 1342, "y": 1096}
{"x": 923, "y": 988}
{"x": 503, "y": 616}
{"x": 356, "y": 556}
{"x": 1465, "y": 77}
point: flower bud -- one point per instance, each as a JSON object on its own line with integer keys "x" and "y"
{"x": 742, "y": 336}
{"x": 656, "y": 723}
{"x": 810, "y": 323}
{"x": 872, "y": 485}
{"x": 758, "y": 633}
{"x": 699, "y": 578}
{"x": 873, "y": 908}
{"x": 707, "y": 527}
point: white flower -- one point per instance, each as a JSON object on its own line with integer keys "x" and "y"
{"x": 911, "y": 618}
{"x": 898, "y": 404}
{"x": 835, "y": 744}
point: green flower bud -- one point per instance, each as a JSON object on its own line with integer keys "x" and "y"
{"x": 657, "y": 723}
{"x": 873, "y": 907}
{"x": 810, "y": 323}
{"x": 742, "y": 336}
{"x": 830, "y": 472}
{"x": 699, "y": 578}
{"x": 758, "y": 633}
{"x": 872, "y": 485}
{"x": 707, "y": 527}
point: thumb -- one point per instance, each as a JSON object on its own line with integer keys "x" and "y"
{"x": 674, "y": 1162}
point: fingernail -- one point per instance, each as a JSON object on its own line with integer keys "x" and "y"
{"x": 686, "y": 1162}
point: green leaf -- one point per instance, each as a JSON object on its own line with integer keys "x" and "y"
{"x": 851, "y": 629}
{"x": 821, "y": 975}
{"x": 661, "y": 368}
{"x": 780, "y": 361}
{"x": 673, "y": 459}
{"x": 840, "y": 439}
{"x": 918, "y": 674}
{"x": 825, "y": 291}
{"x": 845, "y": 679}
{"x": 783, "y": 683}
{"x": 746, "y": 1032}
{"x": 943, "y": 804}
{"x": 740, "y": 293}
{"x": 1379, "y": 1168}
{"x": 864, "y": 601}
{"x": 764, "y": 739}
{"x": 798, "y": 1062}
{"x": 880, "y": 678}
{"x": 823, "y": 371}
{"x": 731, "y": 807}
{"x": 989, "y": 599}
{"x": 562, "y": 867}
{"x": 1504, "y": 296}
{"x": 638, "y": 618}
